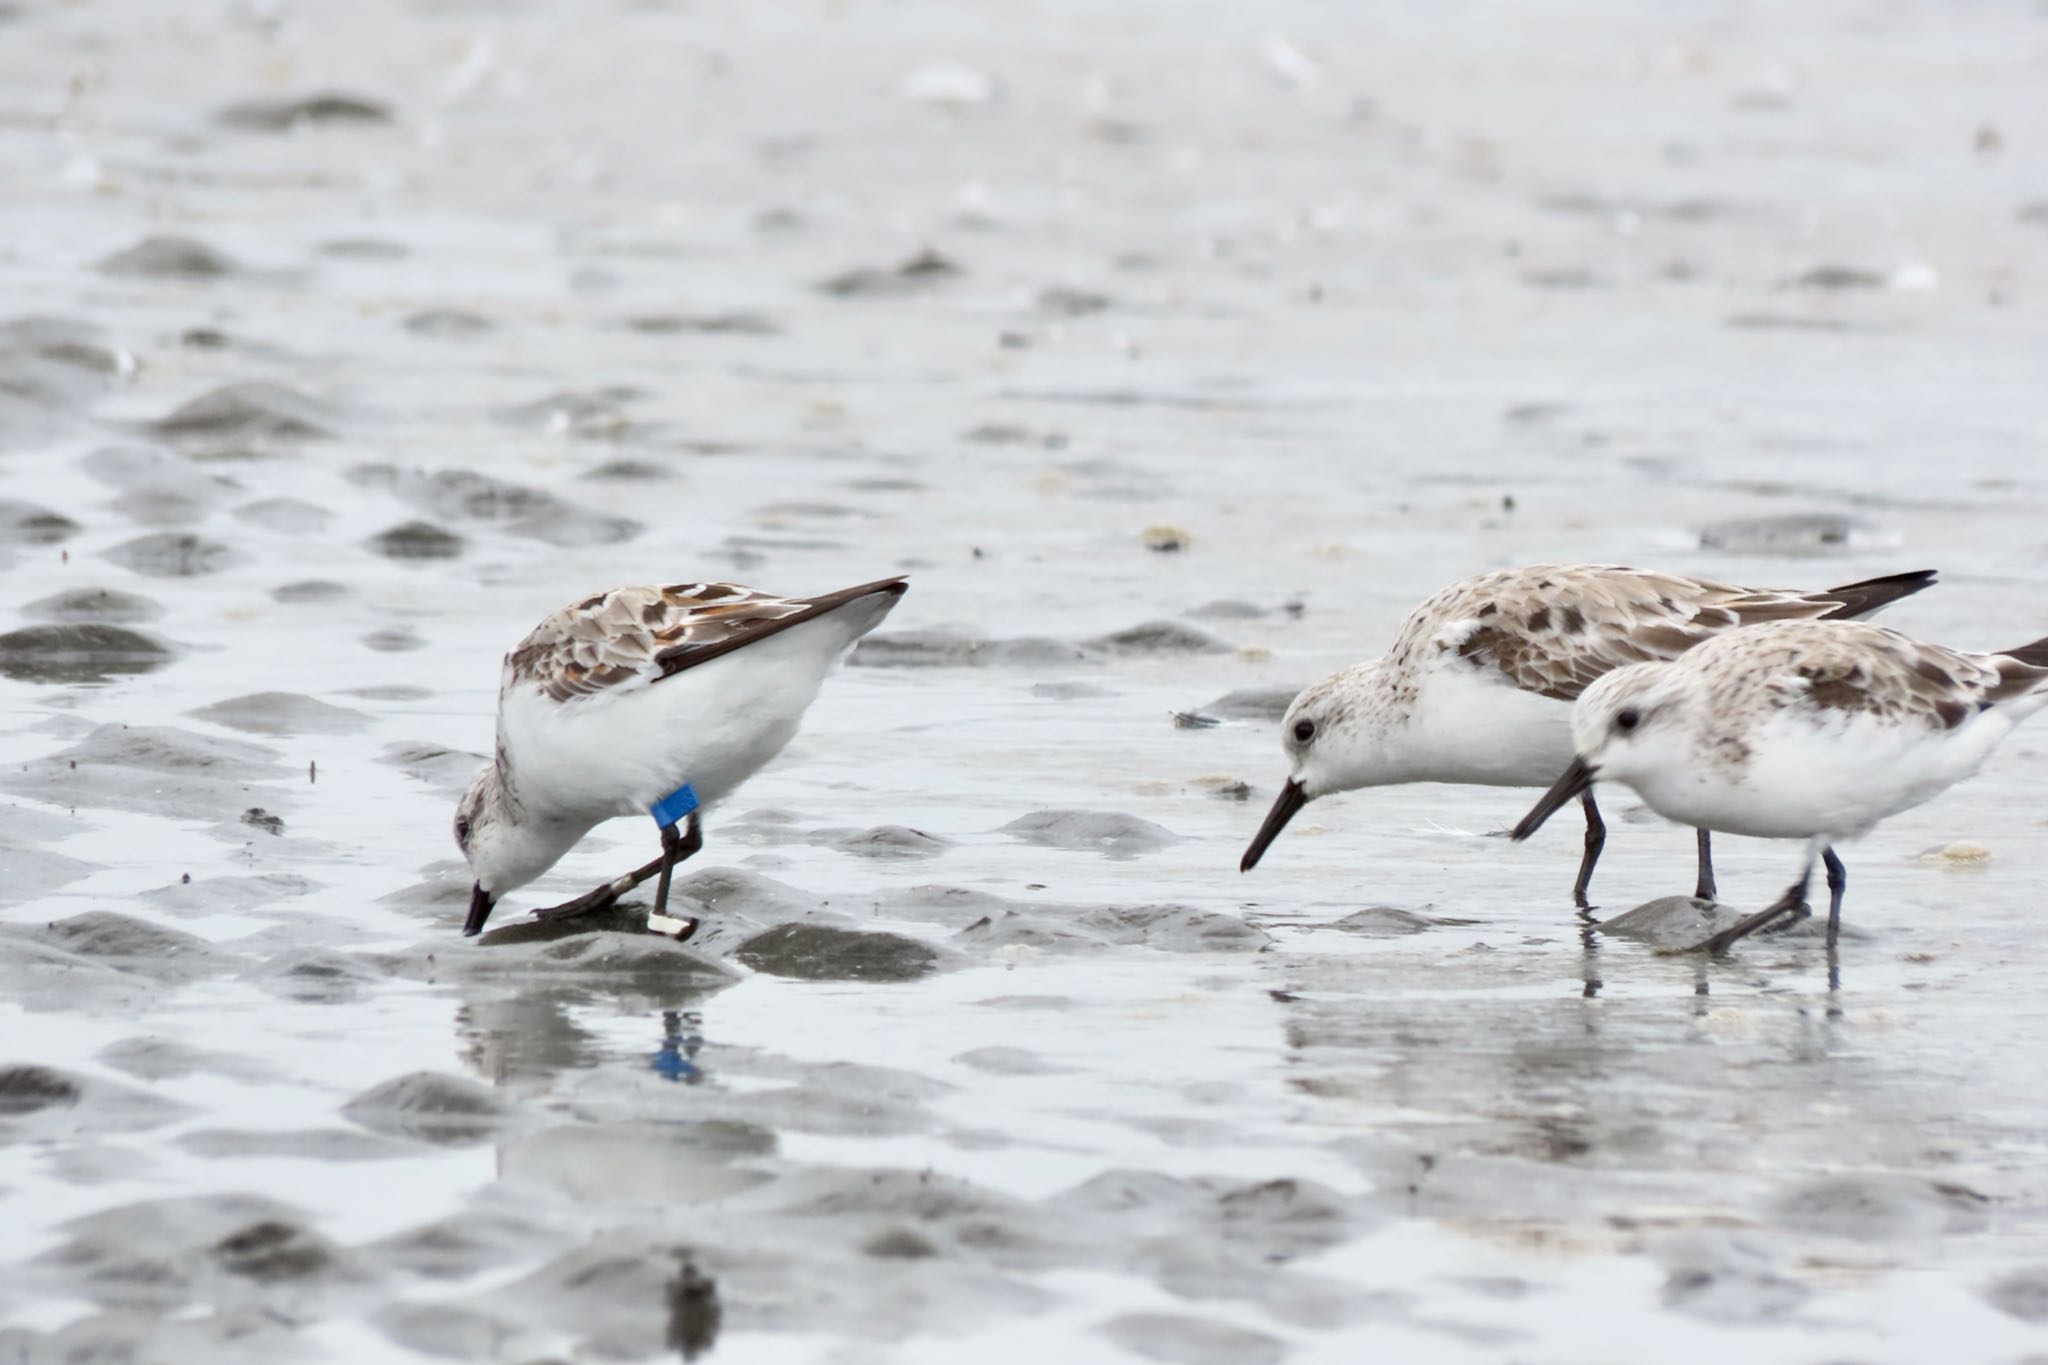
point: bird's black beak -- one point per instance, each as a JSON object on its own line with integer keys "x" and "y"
{"x": 1291, "y": 799}
{"x": 1576, "y": 779}
{"x": 480, "y": 903}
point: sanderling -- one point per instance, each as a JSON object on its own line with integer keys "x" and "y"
{"x": 645, "y": 700}
{"x": 1811, "y": 730}
{"x": 1478, "y": 686}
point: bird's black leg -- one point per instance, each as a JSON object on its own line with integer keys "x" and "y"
{"x": 671, "y": 845}
{"x": 1705, "y": 891}
{"x": 1791, "y": 902}
{"x": 676, "y": 846}
{"x": 1596, "y": 838}
{"x": 1838, "y": 882}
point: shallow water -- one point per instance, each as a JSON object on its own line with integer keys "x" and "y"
{"x": 1174, "y": 353}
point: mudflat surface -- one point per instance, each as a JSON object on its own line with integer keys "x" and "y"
{"x": 1175, "y": 351}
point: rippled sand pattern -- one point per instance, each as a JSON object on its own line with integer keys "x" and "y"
{"x": 1174, "y": 352}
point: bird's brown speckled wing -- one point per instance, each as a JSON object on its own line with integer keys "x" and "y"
{"x": 639, "y": 635}
{"x": 1861, "y": 669}
{"x": 1555, "y": 629}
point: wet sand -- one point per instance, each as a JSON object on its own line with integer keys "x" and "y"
{"x": 1174, "y": 352}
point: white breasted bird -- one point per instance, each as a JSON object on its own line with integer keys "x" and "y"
{"x": 1478, "y": 686}
{"x": 645, "y": 701}
{"x": 1813, "y": 730}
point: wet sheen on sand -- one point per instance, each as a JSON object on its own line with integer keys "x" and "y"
{"x": 1175, "y": 353}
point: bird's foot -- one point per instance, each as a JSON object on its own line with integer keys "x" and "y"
{"x": 590, "y": 902}
{"x": 679, "y": 929}
{"x": 1797, "y": 915}
{"x": 1720, "y": 943}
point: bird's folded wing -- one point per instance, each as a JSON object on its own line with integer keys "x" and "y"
{"x": 1555, "y": 631}
{"x": 631, "y": 637}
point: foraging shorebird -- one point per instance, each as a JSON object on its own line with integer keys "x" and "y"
{"x": 645, "y": 701}
{"x": 1479, "y": 683}
{"x": 1813, "y": 730}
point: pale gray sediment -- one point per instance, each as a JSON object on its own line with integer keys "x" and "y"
{"x": 1174, "y": 353}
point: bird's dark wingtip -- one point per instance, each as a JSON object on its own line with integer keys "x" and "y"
{"x": 2034, "y": 654}
{"x": 1873, "y": 594}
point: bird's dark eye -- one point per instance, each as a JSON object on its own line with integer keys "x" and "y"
{"x": 462, "y": 833}
{"x": 1627, "y": 719}
{"x": 1304, "y": 731}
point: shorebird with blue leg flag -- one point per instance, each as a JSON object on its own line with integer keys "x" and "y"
{"x": 654, "y": 701}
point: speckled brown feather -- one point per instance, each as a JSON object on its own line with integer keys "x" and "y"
{"x": 645, "y": 634}
{"x": 1857, "y": 669}
{"x": 1555, "y": 629}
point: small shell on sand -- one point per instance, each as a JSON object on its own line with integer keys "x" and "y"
{"x": 1962, "y": 853}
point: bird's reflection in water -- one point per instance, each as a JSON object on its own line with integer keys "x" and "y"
{"x": 535, "y": 1033}
{"x": 1705, "y": 964}
{"x": 1589, "y": 956}
{"x": 1591, "y": 982}
{"x": 693, "y": 1308}
{"x": 529, "y": 1034}
{"x": 682, "y": 1037}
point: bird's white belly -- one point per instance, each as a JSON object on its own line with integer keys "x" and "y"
{"x": 1468, "y": 728}
{"x": 712, "y": 726}
{"x": 1834, "y": 782}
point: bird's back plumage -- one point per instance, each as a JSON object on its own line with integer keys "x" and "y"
{"x": 1553, "y": 629}
{"x": 1850, "y": 668}
{"x": 1806, "y": 729}
{"x": 639, "y": 635}
{"x": 615, "y": 702}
